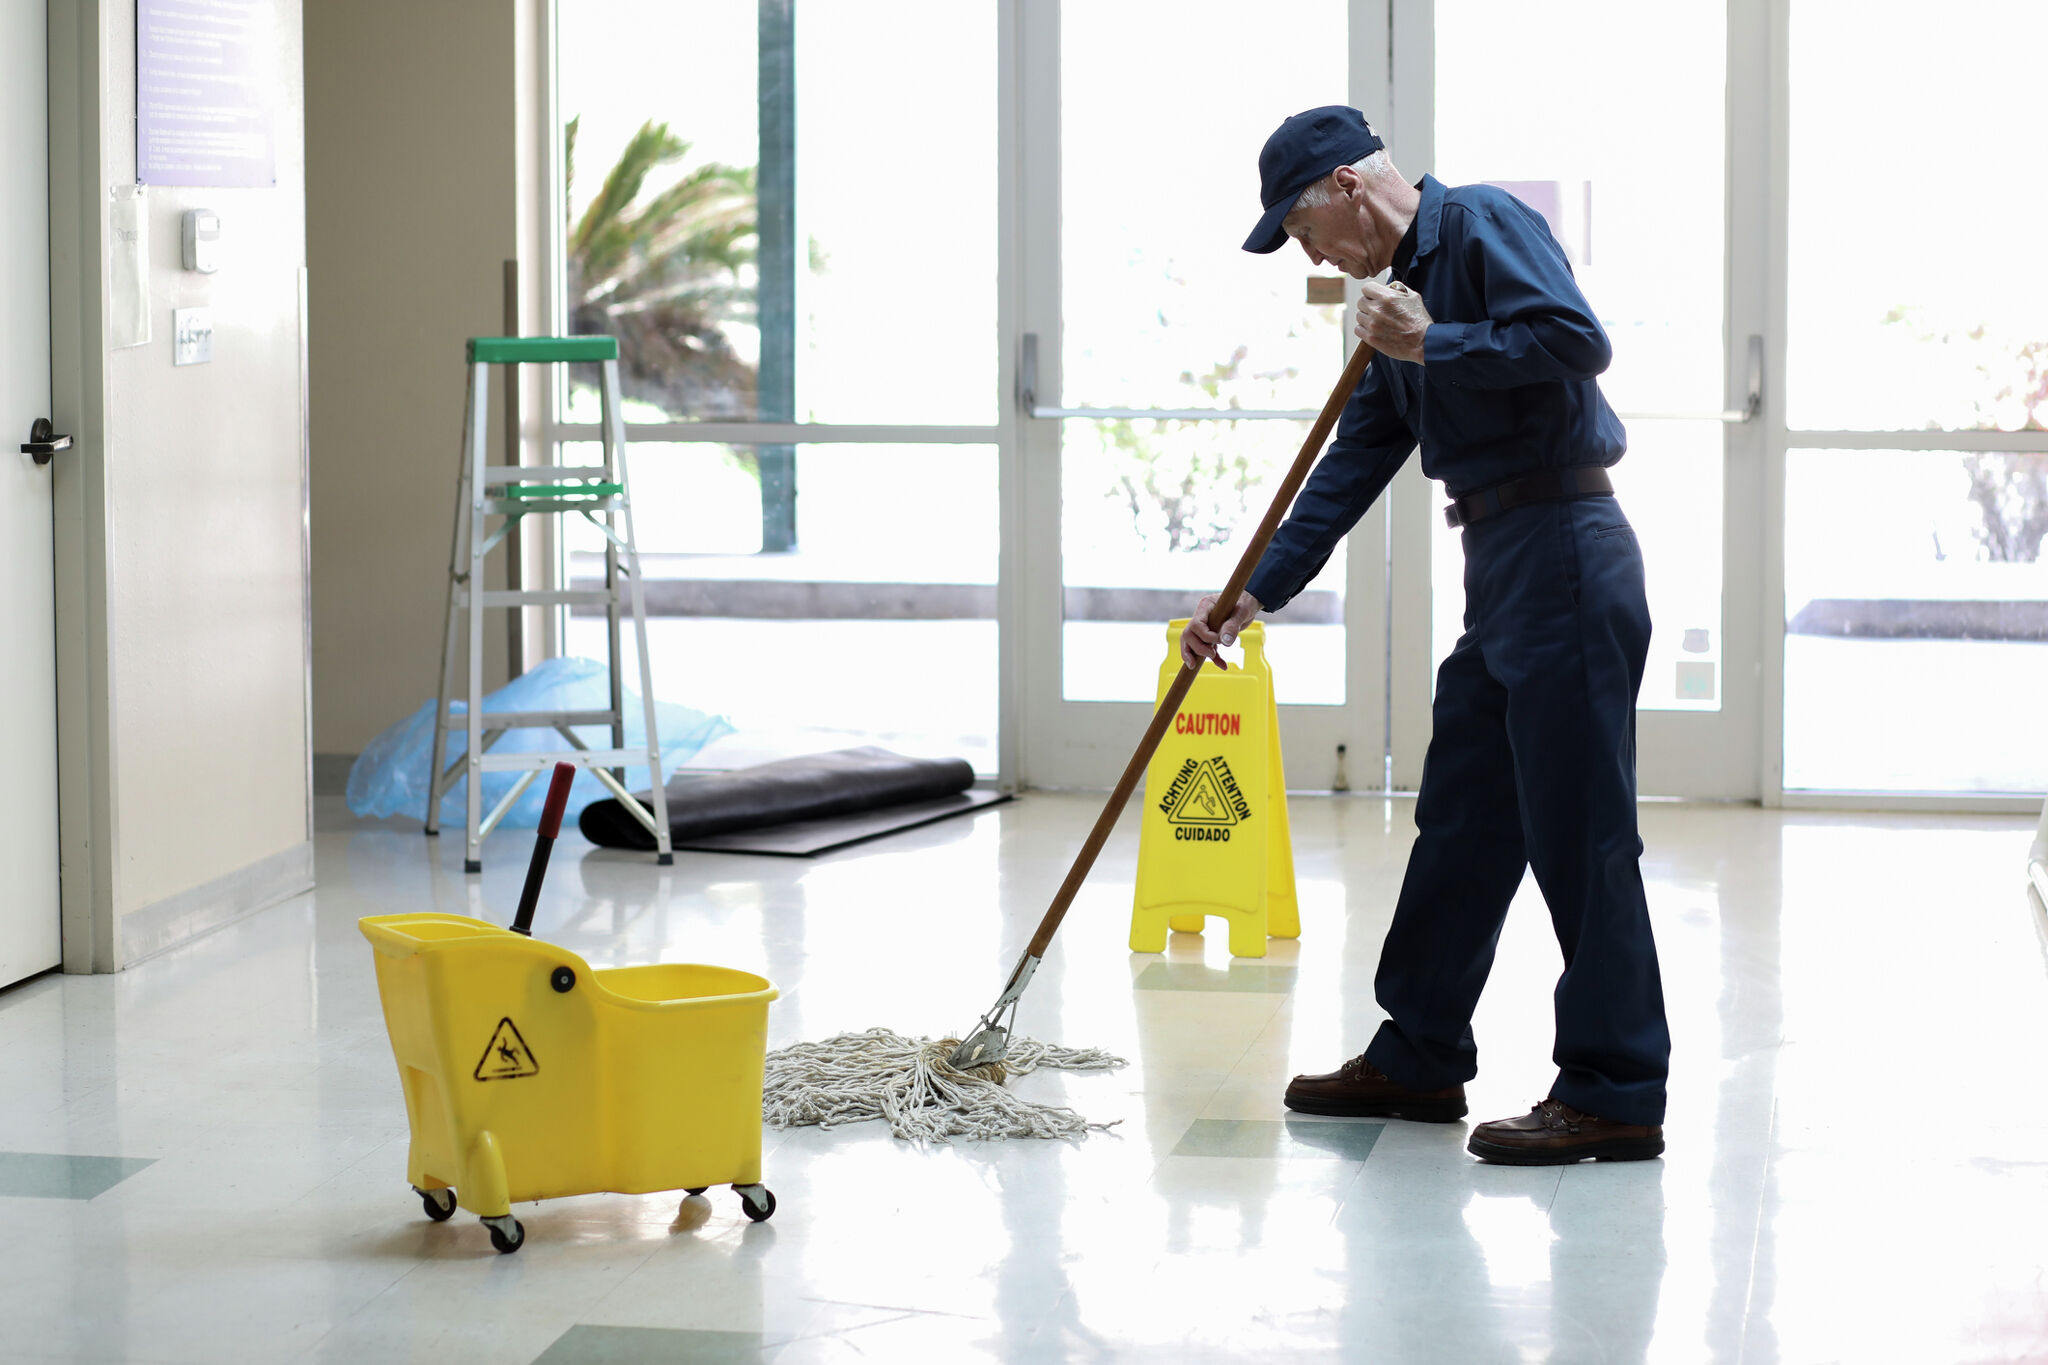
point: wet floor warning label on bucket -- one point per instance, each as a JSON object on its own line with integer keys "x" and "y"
{"x": 508, "y": 1057}
{"x": 1214, "y": 838}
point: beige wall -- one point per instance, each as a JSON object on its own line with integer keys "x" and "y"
{"x": 413, "y": 207}
{"x": 180, "y": 575}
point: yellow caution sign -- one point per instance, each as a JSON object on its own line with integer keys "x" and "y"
{"x": 1214, "y": 838}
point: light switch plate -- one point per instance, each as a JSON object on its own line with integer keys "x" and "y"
{"x": 191, "y": 336}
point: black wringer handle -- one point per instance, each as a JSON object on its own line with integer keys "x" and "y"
{"x": 543, "y": 845}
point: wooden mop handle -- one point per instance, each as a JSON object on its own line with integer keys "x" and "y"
{"x": 1226, "y": 602}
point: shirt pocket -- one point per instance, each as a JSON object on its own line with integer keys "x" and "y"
{"x": 1472, "y": 421}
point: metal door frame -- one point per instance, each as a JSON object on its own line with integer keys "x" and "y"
{"x": 545, "y": 436}
{"x": 1772, "y": 23}
{"x": 1062, "y": 743}
{"x": 1712, "y": 755}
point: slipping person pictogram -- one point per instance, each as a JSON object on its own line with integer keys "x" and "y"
{"x": 508, "y": 1057}
{"x": 1487, "y": 357}
{"x": 1210, "y": 796}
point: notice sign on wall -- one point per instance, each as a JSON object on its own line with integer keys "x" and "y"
{"x": 204, "y": 92}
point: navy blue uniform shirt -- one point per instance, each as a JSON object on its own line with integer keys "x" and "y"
{"x": 1506, "y": 388}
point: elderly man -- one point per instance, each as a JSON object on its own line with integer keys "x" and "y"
{"x": 1487, "y": 354}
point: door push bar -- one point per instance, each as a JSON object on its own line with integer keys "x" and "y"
{"x": 1027, "y": 399}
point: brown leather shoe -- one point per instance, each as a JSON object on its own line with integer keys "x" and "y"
{"x": 1555, "y": 1134}
{"x": 1358, "y": 1089}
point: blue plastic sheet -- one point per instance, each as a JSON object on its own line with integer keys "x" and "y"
{"x": 390, "y": 778}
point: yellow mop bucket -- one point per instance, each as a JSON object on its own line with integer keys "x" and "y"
{"x": 529, "y": 1075}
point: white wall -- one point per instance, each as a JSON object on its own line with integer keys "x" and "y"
{"x": 413, "y": 196}
{"x": 181, "y": 585}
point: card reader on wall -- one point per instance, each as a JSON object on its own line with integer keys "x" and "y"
{"x": 202, "y": 240}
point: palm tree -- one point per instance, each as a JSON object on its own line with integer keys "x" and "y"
{"x": 665, "y": 276}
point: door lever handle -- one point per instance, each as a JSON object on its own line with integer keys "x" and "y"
{"x": 43, "y": 441}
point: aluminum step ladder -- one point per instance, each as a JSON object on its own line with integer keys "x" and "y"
{"x": 598, "y": 493}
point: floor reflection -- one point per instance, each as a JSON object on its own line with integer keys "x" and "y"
{"x": 1825, "y": 974}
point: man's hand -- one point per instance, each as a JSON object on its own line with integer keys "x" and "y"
{"x": 1198, "y": 642}
{"x": 1391, "y": 319}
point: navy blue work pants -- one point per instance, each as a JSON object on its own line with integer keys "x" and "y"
{"x": 1532, "y": 763}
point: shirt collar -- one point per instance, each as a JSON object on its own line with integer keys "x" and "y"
{"x": 1428, "y": 215}
{"x": 1404, "y": 252}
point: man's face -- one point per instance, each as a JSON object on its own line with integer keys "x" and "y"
{"x": 1332, "y": 232}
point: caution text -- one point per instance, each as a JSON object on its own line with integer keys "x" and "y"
{"x": 1208, "y": 723}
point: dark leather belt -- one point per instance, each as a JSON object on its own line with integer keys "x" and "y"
{"x": 1550, "y": 485}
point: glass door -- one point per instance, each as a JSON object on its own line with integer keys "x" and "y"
{"x": 1612, "y": 119}
{"x": 1915, "y": 459}
{"x": 1167, "y": 378}
{"x": 798, "y": 256}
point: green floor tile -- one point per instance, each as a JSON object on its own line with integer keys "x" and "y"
{"x": 1292, "y": 1140}
{"x": 587, "y": 1345}
{"x": 52, "y": 1175}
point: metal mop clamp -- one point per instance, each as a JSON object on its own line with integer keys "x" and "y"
{"x": 990, "y": 1039}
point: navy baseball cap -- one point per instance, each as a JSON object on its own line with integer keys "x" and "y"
{"x": 1302, "y": 151}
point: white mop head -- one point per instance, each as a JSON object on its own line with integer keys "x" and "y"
{"x": 906, "y": 1081}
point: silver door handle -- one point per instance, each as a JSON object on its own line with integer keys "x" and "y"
{"x": 43, "y": 442}
{"x": 1752, "y": 399}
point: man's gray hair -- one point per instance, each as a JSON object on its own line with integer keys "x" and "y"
{"x": 1324, "y": 190}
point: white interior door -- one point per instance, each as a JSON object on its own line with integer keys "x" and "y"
{"x": 29, "y": 935}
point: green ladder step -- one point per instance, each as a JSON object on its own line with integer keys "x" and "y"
{"x": 563, "y": 490}
{"x": 540, "y": 350}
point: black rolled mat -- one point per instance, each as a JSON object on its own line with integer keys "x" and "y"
{"x": 798, "y": 806}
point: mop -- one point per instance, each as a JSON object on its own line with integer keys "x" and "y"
{"x": 912, "y": 1085}
{"x": 933, "y": 1090}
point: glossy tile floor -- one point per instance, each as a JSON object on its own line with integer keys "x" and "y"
{"x": 203, "y": 1159}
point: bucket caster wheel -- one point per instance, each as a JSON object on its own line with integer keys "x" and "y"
{"x": 440, "y": 1204}
{"x": 696, "y": 1190}
{"x": 507, "y": 1233}
{"x": 757, "y": 1200}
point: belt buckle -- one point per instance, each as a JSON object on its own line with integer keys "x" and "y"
{"x": 1451, "y": 517}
